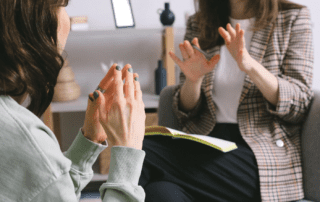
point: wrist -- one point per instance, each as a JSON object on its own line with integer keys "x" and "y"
{"x": 248, "y": 64}
{"x": 90, "y": 138}
{"x": 195, "y": 83}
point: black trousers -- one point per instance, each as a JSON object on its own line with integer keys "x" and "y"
{"x": 182, "y": 170}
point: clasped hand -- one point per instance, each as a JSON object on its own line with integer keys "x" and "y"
{"x": 118, "y": 114}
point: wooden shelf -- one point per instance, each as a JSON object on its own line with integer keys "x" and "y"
{"x": 74, "y": 35}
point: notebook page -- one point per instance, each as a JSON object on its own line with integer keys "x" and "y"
{"x": 219, "y": 142}
{"x": 173, "y": 131}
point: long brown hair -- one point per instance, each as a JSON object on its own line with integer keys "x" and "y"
{"x": 212, "y": 14}
{"x": 30, "y": 61}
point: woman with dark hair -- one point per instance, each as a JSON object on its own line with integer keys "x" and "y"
{"x": 32, "y": 166}
{"x": 254, "y": 88}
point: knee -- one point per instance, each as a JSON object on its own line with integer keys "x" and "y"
{"x": 166, "y": 191}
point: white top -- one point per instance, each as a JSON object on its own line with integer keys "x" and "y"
{"x": 229, "y": 79}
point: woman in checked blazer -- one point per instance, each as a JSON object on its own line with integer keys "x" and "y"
{"x": 253, "y": 87}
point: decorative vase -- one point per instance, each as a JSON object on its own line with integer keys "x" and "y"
{"x": 160, "y": 77}
{"x": 66, "y": 88}
{"x": 167, "y": 16}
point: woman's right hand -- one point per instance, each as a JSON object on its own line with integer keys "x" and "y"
{"x": 123, "y": 119}
{"x": 195, "y": 64}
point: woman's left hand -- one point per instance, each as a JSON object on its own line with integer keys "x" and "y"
{"x": 92, "y": 128}
{"x": 235, "y": 43}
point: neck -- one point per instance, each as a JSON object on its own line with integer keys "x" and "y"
{"x": 19, "y": 99}
{"x": 239, "y": 9}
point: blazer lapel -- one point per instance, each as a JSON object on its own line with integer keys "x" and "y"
{"x": 258, "y": 46}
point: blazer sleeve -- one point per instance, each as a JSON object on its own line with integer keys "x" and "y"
{"x": 182, "y": 116}
{"x": 295, "y": 93}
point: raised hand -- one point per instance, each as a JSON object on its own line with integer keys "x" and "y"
{"x": 124, "y": 119}
{"x": 92, "y": 128}
{"x": 235, "y": 43}
{"x": 194, "y": 64}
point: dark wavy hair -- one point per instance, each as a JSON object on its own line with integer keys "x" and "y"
{"x": 30, "y": 61}
{"x": 212, "y": 14}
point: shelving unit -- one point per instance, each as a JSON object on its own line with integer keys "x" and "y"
{"x": 126, "y": 32}
{"x": 150, "y": 101}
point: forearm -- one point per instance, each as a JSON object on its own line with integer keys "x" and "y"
{"x": 190, "y": 95}
{"x": 265, "y": 81}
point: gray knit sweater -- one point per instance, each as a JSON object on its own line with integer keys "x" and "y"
{"x": 33, "y": 168}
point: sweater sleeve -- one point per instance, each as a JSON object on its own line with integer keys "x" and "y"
{"x": 125, "y": 170}
{"x": 295, "y": 94}
{"x": 67, "y": 186}
{"x": 82, "y": 153}
{"x": 122, "y": 185}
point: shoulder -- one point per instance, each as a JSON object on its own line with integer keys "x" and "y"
{"x": 290, "y": 16}
{"x": 28, "y": 154}
{"x": 192, "y": 21}
{"x": 193, "y": 29}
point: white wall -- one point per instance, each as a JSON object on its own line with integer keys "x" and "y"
{"x": 145, "y": 13}
{"x": 146, "y": 17}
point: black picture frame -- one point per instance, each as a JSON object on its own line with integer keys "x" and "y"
{"x": 115, "y": 19}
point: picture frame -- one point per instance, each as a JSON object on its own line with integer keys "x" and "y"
{"x": 122, "y": 13}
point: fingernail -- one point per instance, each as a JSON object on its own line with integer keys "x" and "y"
{"x": 91, "y": 98}
{"x": 118, "y": 68}
{"x": 95, "y": 95}
{"x": 130, "y": 70}
{"x": 136, "y": 79}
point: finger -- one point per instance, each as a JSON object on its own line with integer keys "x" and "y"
{"x": 125, "y": 71}
{"x": 110, "y": 90}
{"x": 100, "y": 105}
{"x": 92, "y": 106}
{"x": 118, "y": 93}
{"x": 137, "y": 88}
{"x": 238, "y": 29}
{"x": 129, "y": 86}
{"x": 225, "y": 35}
{"x": 188, "y": 48}
{"x": 195, "y": 42}
{"x": 241, "y": 39}
{"x": 214, "y": 61}
{"x": 105, "y": 82}
{"x": 175, "y": 59}
{"x": 231, "y": 31}
{"x": 183, "y": 51}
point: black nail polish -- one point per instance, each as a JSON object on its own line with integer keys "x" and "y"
{"x": 118, "y": 68}
{"x": 130, "y": 70}
{"x": 136, "y": 79}
{"x": 95, "y": 95}
{"x": 91, "y": 98}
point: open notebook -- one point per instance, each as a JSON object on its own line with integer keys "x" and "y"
{"x": 222, "y": 145}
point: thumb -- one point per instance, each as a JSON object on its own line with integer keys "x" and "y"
{"x": 214, "y": 61}
{"x": 98, "y": 104}
{"x": 195, "y": 42}
{"x": 94, "y": 103}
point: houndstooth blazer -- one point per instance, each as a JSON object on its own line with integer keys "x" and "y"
{"x": 273, "y": 133}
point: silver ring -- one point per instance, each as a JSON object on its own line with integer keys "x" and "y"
{"x": 101, "y": 90}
